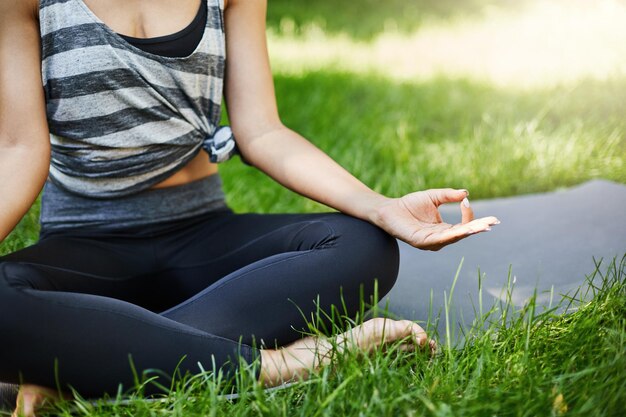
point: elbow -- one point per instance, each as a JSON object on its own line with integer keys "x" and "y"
{"x": 33, "y": 152}
{"x": 251, "y": 137}
{"x": 38, "y": 143}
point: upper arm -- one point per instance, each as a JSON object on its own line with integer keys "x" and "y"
{"x": 249, "y": 87}
{"x": 24, "y": 136}
{"x": 22, "y": 102}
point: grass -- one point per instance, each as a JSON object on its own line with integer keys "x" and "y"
{"x": 364, "y": 19}
{"x": 401, "y": 137}
{"x": 541, "y": 44}
{"x": 535, "y": 363}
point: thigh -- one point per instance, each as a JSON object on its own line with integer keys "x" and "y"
{"x": 109, "y": 265}
{"x": 289, "y": 275}
{"x": 235, "y": 240}
{"x": 197, "y": 256}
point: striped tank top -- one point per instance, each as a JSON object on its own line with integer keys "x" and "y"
{"x": 121, "y": 119}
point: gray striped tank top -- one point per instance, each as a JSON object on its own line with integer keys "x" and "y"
{"x": 122, "y": 119}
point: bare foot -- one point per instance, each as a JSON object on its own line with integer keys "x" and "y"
{"x": 380, "y": 332}
{"x": 32, "y": 398}
{"x": 297, "y": 360}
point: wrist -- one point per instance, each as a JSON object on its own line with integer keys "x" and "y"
{"x": 376, "y": 209}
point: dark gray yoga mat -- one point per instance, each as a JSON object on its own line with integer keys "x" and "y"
{"x": 548, "y": 240}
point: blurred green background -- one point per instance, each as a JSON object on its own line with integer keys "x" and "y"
{"x": 364, "y": 19}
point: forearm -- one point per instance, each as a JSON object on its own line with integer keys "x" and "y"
{"x": 298, "y": 165}
{"x": 293, "y": 162}
{"x": 23, "y": 171}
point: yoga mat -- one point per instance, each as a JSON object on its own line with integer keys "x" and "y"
{"x": 548, "y": 241}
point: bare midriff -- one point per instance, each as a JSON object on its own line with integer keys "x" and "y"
{"x": 199, "y": 167}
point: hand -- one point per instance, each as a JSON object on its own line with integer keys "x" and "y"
{"x": 415, "y": 219}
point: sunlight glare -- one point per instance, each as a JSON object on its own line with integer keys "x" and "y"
{"x": 548, "y": 42}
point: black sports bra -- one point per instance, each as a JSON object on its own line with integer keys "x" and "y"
{"x": 176, "y": 45}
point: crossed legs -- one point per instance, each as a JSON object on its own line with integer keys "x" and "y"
{"x": 204, "y": 288}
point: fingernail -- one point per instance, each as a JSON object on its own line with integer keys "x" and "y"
{"x": 466, "y": 192}
{"x": 488, "y": 229}
{"x": 466, "y": 202}
{"x": 497, "y": 222}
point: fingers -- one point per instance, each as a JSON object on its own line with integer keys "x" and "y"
{"x": 446, "y": 195}
{"x": 467, "y": 214}
{"x": 472, "y": 227}
{"x": 450, "y": 234}
{"x": 480, "y": 225}
{"x": 449, "y": 195}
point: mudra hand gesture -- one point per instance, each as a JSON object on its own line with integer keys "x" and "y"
{"x": 415, "y": 219}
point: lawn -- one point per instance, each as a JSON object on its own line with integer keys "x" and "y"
{"x": 364, "y": 19}
{"x": 398, "y": 137}
{"x": 533, "y": 363}
{"x": 404, "y": 134}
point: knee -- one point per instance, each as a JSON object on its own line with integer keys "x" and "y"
{"x": 375, "y": 252}
{"x": 384, "y": 253}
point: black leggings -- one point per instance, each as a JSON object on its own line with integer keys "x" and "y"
{"x": 205, "y": 288}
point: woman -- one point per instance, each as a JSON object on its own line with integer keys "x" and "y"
{"x": 138, "y": 255}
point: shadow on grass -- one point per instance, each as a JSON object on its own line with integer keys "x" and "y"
{"x": 364, "y": 19}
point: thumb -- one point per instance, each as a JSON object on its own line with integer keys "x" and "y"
{"x": 447, "y": 195}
